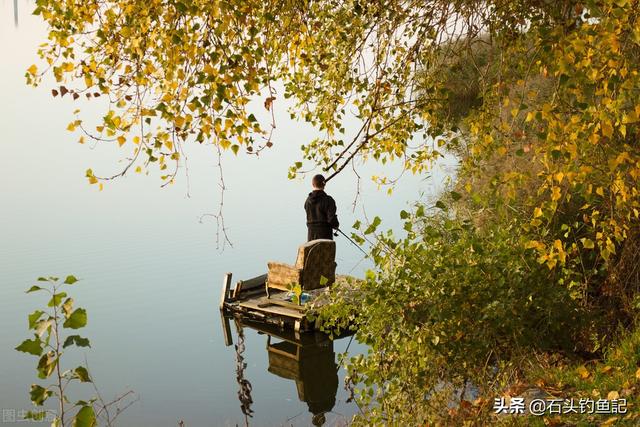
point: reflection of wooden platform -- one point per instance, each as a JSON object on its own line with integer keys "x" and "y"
{"x": 249, "y": 299}
{"x": 306, "y": 358}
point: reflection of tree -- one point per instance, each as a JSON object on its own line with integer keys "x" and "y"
{"x": 244, "y": 391}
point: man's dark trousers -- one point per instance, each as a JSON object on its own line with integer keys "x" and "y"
{"x": 319, "y": 232}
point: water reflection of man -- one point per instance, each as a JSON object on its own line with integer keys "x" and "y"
{"x": 314, "y": 370}
{"x": 321, "y": 211}
{"x": 319, "y": 380}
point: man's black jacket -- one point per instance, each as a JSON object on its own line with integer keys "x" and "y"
{"x": 321, "y": 210}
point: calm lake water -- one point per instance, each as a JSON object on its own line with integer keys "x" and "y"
{"x": 150, "y": 270}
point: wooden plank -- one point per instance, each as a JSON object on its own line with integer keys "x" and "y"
{"x": 225, "y": 289}
{"x": 261, "y": 306}
{"x": 287, "y": 304}
{"x": 226, "y": 329}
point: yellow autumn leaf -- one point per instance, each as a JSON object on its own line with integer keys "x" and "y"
{"x": 32, "y": 70}
{"x": 534, "y": 244}
{"x": 138, "y": 169}
{"x": 587, "y": 243}
{"x": 537, "y": 212}
{"x": 559, "y": 176}
{"x": 613, "y": 395}
{"x": 583, "y": 372}
{"x": 208, "y": 69}
{"x": 606, "y": 369}
{"x": 557, "y": 244}
{"x": 638, "y": 374}
{"x": 609, "y": 422}
{"x": 121, "y": 140}
{"x": 555, "y": 193}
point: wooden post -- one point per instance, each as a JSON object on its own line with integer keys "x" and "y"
{"x": 226, "y": 330}
{"x": 225, "y": 289}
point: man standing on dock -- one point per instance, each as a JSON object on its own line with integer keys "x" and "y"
{"x": 321, "y": 211}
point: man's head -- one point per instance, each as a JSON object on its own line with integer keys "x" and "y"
{"x": 318, "y": 182}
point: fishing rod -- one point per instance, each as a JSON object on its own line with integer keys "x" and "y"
{"x": 354, "y": 243}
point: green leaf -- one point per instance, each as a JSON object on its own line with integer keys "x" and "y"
{"x": 36, "y": 416}
{"x": 404, "y": 214}
{"x": 33, "y": 346}
{"x": 356, "y": 225}
{"x": 70, "y": 280}
{"x": 42, "y": 279}
{"x": 77, "y": 340}
{"x": 587, "y": 243}
{"x": 357, "y": 238}
{"x": 39, "y": 394}
{"x": 56, "y": 299}
{"x": 441, "y": 205}
{"x": 34, "y": 288}
{"x": 34, "y": 317}
{"x": 82, "y": 374}
{"x": 77, "y": 319}
{"x": 85, "y": 417}
{"x": 455, "y": 196}
{"x": 373, "y": 226}
{"x": 47, "y": 364}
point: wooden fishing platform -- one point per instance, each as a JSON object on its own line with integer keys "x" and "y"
{"x": 267, "y": 298}
{"x": 249, "y": 299}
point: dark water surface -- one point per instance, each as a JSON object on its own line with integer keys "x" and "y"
{"x": 150, "y": 270}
